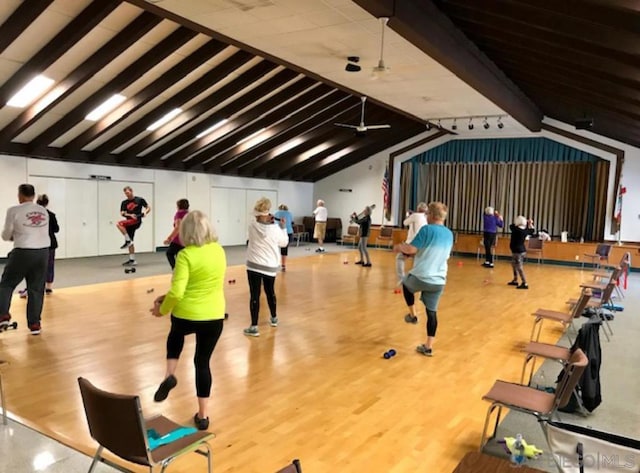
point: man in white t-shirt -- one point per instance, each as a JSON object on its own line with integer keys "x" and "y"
{"x": 320, "y": 228}
{"x": 415, "y": 221}
{"x": 27, "y": 226}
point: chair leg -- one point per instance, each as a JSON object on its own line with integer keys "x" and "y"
{"x": 96, "y": 459}
{"x": 485, "y": 439}
{"x": 527, "y": 359}
{"x": 2, "y": 400}
{"x": 536, "y": 323}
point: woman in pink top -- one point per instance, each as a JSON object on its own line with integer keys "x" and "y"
{"x": 173, "y": 240}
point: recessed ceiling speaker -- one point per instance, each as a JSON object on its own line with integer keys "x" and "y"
{"x": 583, "y": 123}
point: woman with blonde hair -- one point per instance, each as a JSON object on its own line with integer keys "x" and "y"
{"x": 263, "y": 258}
{"x": 197, "y": 306}
{"x": 431, "y": 247}
{"x": 520, "y": 230}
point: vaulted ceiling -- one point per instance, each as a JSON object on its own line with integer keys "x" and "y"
{"x": 257, "y": 85}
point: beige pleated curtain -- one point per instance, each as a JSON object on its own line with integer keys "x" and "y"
{"x": 558, "y": 196}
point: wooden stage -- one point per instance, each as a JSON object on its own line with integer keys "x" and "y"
{"x": 316, "y": 387}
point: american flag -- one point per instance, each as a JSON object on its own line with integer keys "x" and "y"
{"x": 385, "y": 193}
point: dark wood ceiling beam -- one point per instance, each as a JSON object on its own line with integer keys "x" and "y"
{"x": 212, "y": 100}
{"x": 625, "y": 14}
{"x": 539, "y": 87}
{"x": 19, "y": 20}
{"x": 304, "y": 132}
{"x": 426, "y": 27}
{"x": 323, "y": 135}
{"x": 477, "y": 23}
{"x": 162, "y": 83}
{"x": 285, "y": 131}
{"x": 264, "y": 115}
{"x": 586, "y": 89}
{"x": 579, "y": 71}
{"x": 194, "y": 89}
{"x": 107, "y": 53}
{"x": 296, "y": 164}
{"x": 77, "y": 28}
{"x": 326, "y": 168}
{"x": 187, "y": 135}
{"x": 514, "y": 15}
{"x": 125, "y": 78}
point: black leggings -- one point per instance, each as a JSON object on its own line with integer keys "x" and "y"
{"x": 172, "y": 253}
{"x": 255, "y": 280}
{"x": 432, "y": 315}
{"x": 489, "y": 243}
{"x": 207, "y": 335}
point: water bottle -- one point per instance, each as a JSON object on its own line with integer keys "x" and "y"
{"x": 541, "y": 385}
{"x": 581, "y": 239}
{"x": 517, "y": 452}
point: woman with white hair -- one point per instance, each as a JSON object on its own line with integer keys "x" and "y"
{"x": 263, "y": 260}
{"x": 415, "y": 221}
{"x": 491, "y": 222}
{"x": 196, "y": 304}
{"x": 520, "y": 229}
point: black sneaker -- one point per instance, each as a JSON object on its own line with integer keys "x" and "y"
{"x": 512, "y": 283}
{"x": 167, "y": 385}
{"x": 523, "y": 286}
{"x": 367, "y": 265}
{"x": 126, "y": 244}
{"x": 130, "y": 262}
{"x": 201, "y": 424}
{"x": 411, "y": 319}
{"x": 359, "y": 262}
{"x": 423, "y": 350}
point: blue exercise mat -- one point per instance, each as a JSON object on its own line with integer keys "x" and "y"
{"x": 155, "y": 440}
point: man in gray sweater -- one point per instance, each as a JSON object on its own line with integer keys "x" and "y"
{"x": 27, "y": 225}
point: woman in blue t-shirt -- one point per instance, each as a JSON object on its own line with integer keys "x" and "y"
{"x": 284, "y": 214}
{"x": 431, "y": 247}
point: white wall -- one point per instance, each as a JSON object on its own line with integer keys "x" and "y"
{"x": 168, "y": 187}
{"x": 366, "y": 182}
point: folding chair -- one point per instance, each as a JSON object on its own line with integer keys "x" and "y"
{"x": 352, "y": 236}
{"x": 566, "y": 319}
{"x": 293, "y": 467}
{"x": 601, "y": 254}
{"x": 116, "y": 423}
{"x": 535, "y": 246}
{"x": 624, "y": 264}
{"x": 480, "y": 252}
{"x": 385, "y": 237}
{"x": 541, "y": 404}
{"x": 600, "y": 306}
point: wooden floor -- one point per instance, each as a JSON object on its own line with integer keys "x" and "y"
{"x": 316, "y": 387}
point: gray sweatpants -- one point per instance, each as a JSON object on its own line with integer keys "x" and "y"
{"x": 30, "y": 265}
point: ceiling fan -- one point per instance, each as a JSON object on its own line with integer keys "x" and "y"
{"x": 361, "y": 129}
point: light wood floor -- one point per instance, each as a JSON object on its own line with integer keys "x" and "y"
{"x": 315, "y": 388}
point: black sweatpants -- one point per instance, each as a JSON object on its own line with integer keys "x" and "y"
{"x": 172, "y": 253}
{"x": 30, "y": 265}
{"x": 207, "y": 335}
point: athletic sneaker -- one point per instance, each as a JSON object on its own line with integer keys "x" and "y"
{"x": 130, "y": 262}
{"x": 359, "y": 262}
{"x": 523, "y": 286}
{"x": 201, "y": 424}
{"x": 273, "y": 321}
{"x": 411, "y": 319}
{"x": 423, "y": 350}
{"x": 513, "y": 283}
{"x": 48, "y": 291}
{"x": 167, "y": 385}
{"x": 35, "y": 328}
{"x": 284, "y": 268}
{"x": 23, "y": 293}
{"x": 252, "y": 331}
{"x": 367, "y": 265}
{"x": 126, "y": 244}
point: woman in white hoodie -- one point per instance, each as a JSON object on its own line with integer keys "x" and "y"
{"x": 266, "y": 237}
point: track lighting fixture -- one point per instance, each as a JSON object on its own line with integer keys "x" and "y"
{"x": 428, "y": 125}
{"x": 470, "y": 123}
{"x": 485, "y": 123}
{"x": 454, "y": 126}
{"x": 439, "y": 125}
{"x": 500, "y": 124}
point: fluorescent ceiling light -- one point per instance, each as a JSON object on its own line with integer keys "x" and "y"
{"x": 31, "y": 91}
{"x": 105, "y": 107}
{"x": 169, "y": 116}
{"x": 251, "y": 136}
{"x": 212, "y": 128}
